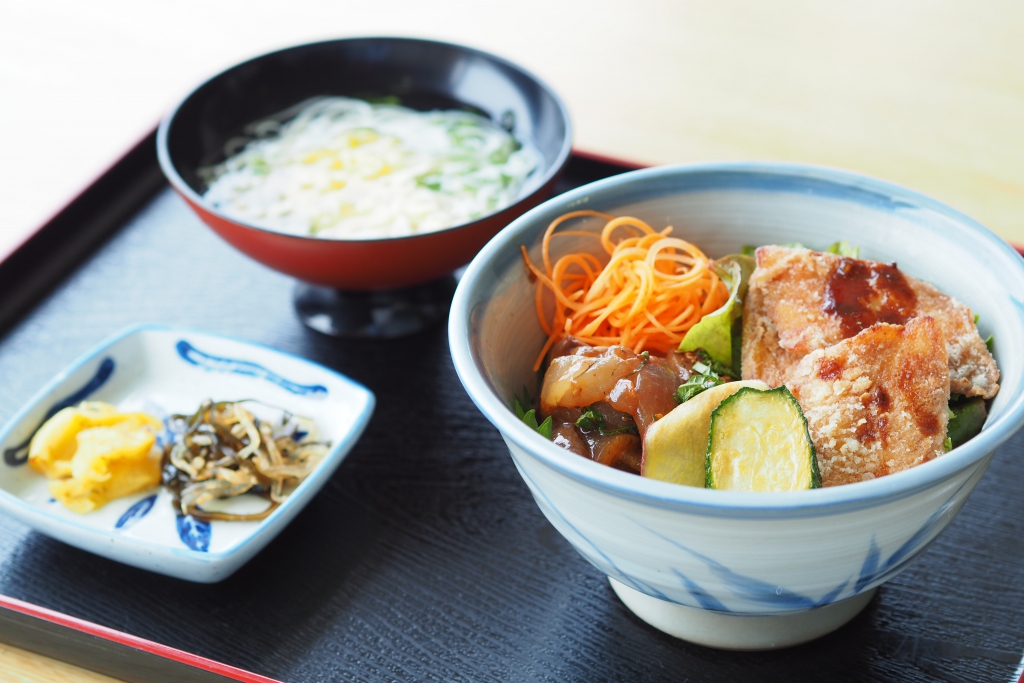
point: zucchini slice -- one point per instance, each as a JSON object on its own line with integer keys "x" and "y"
{"x": 759, "y": 442}
{"x": 676, "y": 446}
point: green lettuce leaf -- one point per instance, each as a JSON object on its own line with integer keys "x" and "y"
{"x": 843, "y": 248}
{"x": 714, "y": 333}
{"x": 966, "y": 418}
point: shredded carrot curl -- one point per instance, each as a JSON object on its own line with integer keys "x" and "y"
{"x": 652, "y": 289}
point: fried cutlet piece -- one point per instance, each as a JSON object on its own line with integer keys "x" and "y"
{"x": 875, "y": 403}
{"x": 813, "y": 300}
{"x": 762, "y": 356}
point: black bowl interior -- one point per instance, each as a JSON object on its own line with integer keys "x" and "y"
{"x": 420, "y": 74}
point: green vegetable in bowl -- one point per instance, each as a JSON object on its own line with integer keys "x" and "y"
{"x": 675, "y": 447}
{"x": 718, "y": 333}
{"x": 592, "y": 421}
{"x": 707, "y": 373}
{"x": 966, "y": 418}
{"x": 529, "y": 417}
{"x": 843, "y": 248}
{"x": 759, "y": 441}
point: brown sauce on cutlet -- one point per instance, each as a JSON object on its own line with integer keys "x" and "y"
{"x": 876, "y": 425}
{"x": 830, "y": 369}
{"x": 878, "y": 397}
{"x": 862, "y": 293}
{"x": 875, "y": 428}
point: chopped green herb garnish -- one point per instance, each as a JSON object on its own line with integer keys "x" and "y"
{"x": 529, "y": 417}
{"x": 430, "y": 180}
{"x": 260, "y": 166}
{"x": 590, "y": 420}
{"x": 948, "y": 444}
{"x": 748, "y": 250}
{"x": 593, "y": 421}
{"x": 717, "y": 369}
{"x": 696, "y": 384}
{"x": 646, "y": 356}
{"x": 976, "y": 318}
{"x": 393, "y": 100}
{"x": 706, "y": 374}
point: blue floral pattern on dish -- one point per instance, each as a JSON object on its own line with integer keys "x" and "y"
{"x": 18, "y": 455}
{"x": 136, "y": 512}
{"x": 194, "y": 356}
{"x": 194, "y": 533}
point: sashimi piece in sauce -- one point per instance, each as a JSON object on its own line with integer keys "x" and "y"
{"x": 624, "y": 393}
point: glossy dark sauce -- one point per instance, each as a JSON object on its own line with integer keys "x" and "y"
{"x": 830, "y": 369}
{"x": 861, "y": 293}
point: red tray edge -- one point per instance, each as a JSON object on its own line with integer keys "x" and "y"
{"x": 121, "y": 638}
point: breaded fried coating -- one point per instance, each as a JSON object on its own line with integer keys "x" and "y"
{"x": 805, "y": 300}
{"x": 875, "y": 403}
{"x": 762, "y": 356}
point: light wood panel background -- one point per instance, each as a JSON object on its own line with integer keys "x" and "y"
{"x": 925, "y": 93}
{"x": 19, "y": 666}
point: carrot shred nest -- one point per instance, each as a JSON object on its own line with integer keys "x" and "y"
{"x": 652, "y": 289}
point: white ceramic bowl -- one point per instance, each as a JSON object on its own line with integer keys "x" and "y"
{"x": 165, "y": 370}
{"x": 729, "y": 569}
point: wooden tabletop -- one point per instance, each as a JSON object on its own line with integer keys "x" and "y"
{"x": 929, "y": 95}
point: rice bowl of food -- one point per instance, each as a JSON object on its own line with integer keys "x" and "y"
{"x": 747, "y": 444}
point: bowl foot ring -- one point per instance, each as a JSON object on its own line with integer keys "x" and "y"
{"x": 740, "y": 631}
{"x": 374, "y": 315}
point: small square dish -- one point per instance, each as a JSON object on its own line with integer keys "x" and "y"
{"x": 163, "y": 371}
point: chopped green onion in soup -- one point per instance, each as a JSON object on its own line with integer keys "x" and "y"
{"x": 346, "y": 169}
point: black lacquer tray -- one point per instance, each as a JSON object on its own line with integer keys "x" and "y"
{"x": 424, "y": 558}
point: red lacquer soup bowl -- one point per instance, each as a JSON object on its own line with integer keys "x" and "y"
{"x": 423, "y": 75}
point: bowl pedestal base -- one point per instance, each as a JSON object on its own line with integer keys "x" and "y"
{"x": 740, "y": 632}
{"x": 374, "y": 315}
